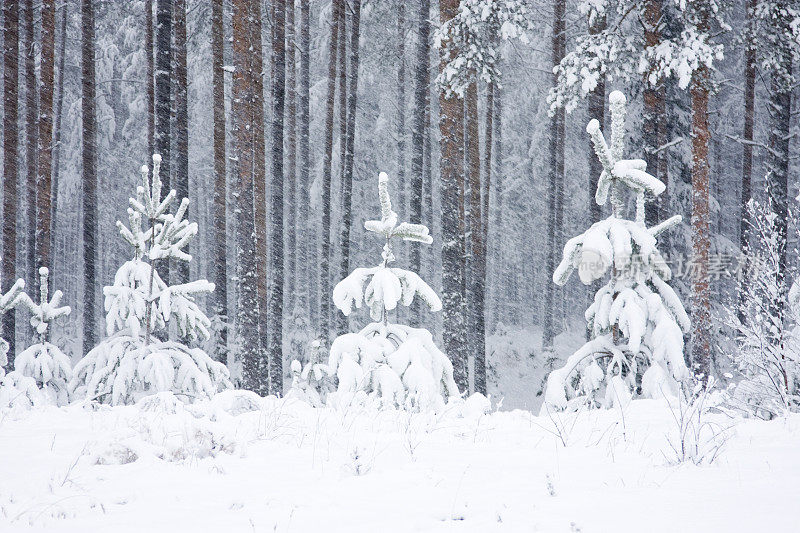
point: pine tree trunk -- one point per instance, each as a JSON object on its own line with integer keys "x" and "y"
{"x": 46, "y": 89}
{"x": 150, "y": 80}
{"x": 181, "y": 132}
{"x": 57, "y": 128}
{"x": 89, "y": 170}
{"x": 401, "y": 208}
{"x": 260, "y": 196}
{"x": 597, "y": 110}
{"x": 420, "y": 128}
{"x": 475, "y": 284}
{"x": 305, "y": 273}
{"x": 275, "y": 310}
{"x": 163, "y": 99}
{"x": 10, "y": 176}
{"x": 701, "y": 306}
{"x": 555, "y": 192}
{"x": 778, "y": 162}
{"x": 291, "y": 227}
{"x": 327, "y": 174}
{"x": 480, "y": 226}
{"x": 220, "y": 250}
{"x": 339, "y": 318}
{"x": 749, "y": 121}
{"x": 31, "y": 142}
{"x": 246, "y": 116}
{"x": 347, "y": 179}
{"x": 501, "y": 268}
{"x": 451, "y": 164}
{"x": 654, "y": 106}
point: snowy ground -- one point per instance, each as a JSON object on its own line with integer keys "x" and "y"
{"x": 280, "y": 465}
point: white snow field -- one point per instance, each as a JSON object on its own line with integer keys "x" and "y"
{"x": 242, "y": 463}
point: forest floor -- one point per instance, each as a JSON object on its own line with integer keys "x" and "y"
{"x": 243, "y": 464}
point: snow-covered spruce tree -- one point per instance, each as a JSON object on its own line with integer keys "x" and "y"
{"x": 44, "y": 362}
{"x": 398, "y": 364}
{"x": 637, "y": 321}
{"x": 136, "y": 359}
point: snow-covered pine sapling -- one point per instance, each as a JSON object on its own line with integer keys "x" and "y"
{"x": 398, "y": 364}
{"x": 45, "y": 362}
{"x": 8, "y": 301}
{"x": 135, "y": 359}
{"x": 637, "y": 321}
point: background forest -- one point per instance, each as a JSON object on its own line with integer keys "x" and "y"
{"x": 275, "y": 118}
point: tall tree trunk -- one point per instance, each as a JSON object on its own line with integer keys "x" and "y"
{"x": 163, "y": 77}
{"x": 597, "y": 110}
{"x": 474, "y": 294}
{"x": 32, "y": 136}
{"x": 749, "y": 120}
{"x": 10, "y": 176}
{"x": 57, "y": 129}
{"x": 260, "y": 195}
{"x": 291, "y": 158}
{"x": 46, "y": 89}
{"x": 151, "y": 88}
{"x": 701, "y": 305}
{"x": 780, "y": 97}
{"x": 420, "y": 127}
{"x": 451, "y": 164}
{"x": 654, "y": 111}
{"x": 306, "y": 229}
{"x": 480, "y": 225}
{"x": 220, "y": 249}
{"x": 246, "y": 118}
{"x": 275, "y": 310}
{"x": 401, "y": 111}
{"x": 89, "y": 170}
{"x": 327, "y": 173}
{"x": 497, "y": 123}
{"x": 555, "y": 189}
{"x": 347, "y": 177}
{"x": 181, "y": 133}
{"x": 339, "y": 318}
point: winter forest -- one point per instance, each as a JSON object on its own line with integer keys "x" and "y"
{"x": 389, "y": 265}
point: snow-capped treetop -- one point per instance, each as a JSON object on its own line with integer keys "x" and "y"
{"x": 387, "y": 285}
{"x": 617, "y": 171}
{"x": 46, "y": 310}
{"x": 167, "y": 233}
{"x": 388, "y": 226}
{"x": 155, "y": 234}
